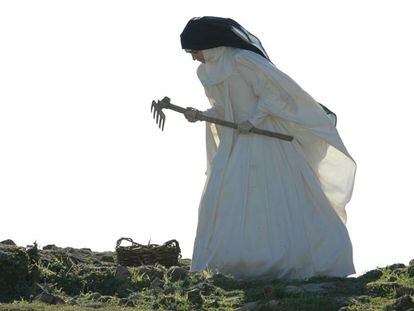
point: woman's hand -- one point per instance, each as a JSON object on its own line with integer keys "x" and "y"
{"x": 192, "y": 115}
{"x": 245, "y": 127}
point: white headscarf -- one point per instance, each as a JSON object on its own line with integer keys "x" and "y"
{"x": 218, "y": 65}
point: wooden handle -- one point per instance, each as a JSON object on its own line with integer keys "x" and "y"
{"x": 271, "y": 134}
{"x": 233, "y": 125}
{"x": 253, "y": 130}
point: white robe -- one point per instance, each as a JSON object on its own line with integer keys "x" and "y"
{"x": 269, "y": 207}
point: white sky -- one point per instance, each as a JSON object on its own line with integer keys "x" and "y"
{"x": 82, "y": 162}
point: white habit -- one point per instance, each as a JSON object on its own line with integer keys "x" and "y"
{"x": 270, "y": 207}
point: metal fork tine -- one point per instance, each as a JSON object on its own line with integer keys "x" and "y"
{"x": 153, "y": 106}
{"x": 157, "y": 113}
{"x": 162, "y": 120}
{"x": 159, "y": 120}
{"x": 156, "y": 109}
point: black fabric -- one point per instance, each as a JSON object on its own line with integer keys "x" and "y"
{"x": 209, "y": 32}
{"x": 330, "y": 113}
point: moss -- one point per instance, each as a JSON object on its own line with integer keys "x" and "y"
{"x": 14, "y": 272}
{"x": 77, "y": 275}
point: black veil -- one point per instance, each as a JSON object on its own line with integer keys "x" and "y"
{"x": 209, "y": 32}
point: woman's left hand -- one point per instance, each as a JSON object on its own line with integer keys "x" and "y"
{"x": 245, "y": 127}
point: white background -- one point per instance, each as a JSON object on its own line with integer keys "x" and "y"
{"x": 82, "y": 162}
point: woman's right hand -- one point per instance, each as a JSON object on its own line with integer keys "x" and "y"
{"x": 191, "y": 114}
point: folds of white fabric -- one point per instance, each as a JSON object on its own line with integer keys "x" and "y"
{"x": 271, "y": 207}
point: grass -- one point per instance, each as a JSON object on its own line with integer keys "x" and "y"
{"x": 77, "y": 275}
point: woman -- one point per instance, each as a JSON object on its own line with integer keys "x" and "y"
{"x": 269, "y": 207}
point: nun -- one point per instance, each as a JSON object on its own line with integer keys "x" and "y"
{"x": 269, "y": 208}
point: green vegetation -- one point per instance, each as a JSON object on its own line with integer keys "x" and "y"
{"x": 79, "y": 279}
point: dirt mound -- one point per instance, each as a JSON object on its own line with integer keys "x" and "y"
{"x": 31, "y": 278}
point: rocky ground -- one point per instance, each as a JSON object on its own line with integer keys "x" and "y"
{"x": 80, "y": 279}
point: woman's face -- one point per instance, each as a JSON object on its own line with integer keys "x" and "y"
{"x": 198, "y": 55}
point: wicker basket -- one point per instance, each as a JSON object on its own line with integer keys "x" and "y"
{"x": 138, "y": 254}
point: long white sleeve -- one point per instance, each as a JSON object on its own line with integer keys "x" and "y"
{"x": 216, "y": 111}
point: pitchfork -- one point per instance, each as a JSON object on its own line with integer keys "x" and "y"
{"x": 159, "y": 116}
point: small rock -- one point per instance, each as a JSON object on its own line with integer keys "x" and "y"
{"x": 95, "y": 296}
{"x": 49, "y": 299}
{"x": 411, "y": 263}
{"x": 373, "y": 274}
{"x": 399, "y": 271}
{"x": 72, "y": 302}
{"x": 123, "y": 301}
{"x": 411, "y": 271}
{"x": 151, "y": 271}
{"x": 396, "y": 266}
{"x": 122, "y": 273}
{"x": 344, "y": 308}
{"x": 50, "y": 247}
{"x": 194, "y": 296}
{"x": 403, "y": 290}
{"x": 185, "y": 262}
{"x": 8, "y": 242}
{"x": 105, "y": 299}
{"x": 403, "y": 303}
{"x": 176, "y": 273}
